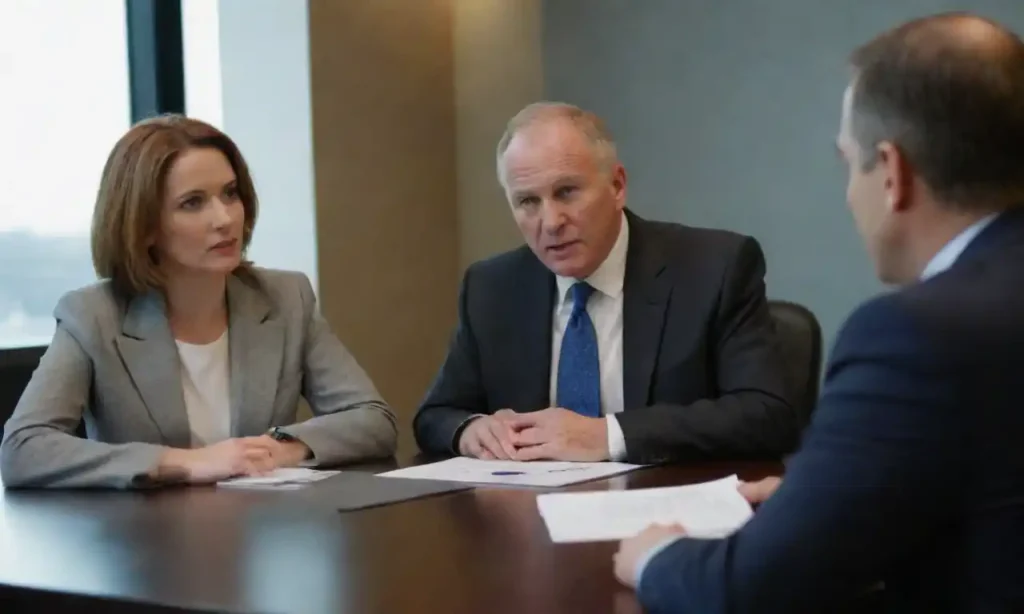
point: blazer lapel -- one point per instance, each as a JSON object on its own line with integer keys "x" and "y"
{"x": 255, "y": 344}
{"x": 147, "y": 349}
{"x": 645, "y": 299}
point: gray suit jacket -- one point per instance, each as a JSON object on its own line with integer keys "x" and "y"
{"x": 115, "y": 363}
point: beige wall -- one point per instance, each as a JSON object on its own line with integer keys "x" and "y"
{"x": 384, "y": 150}
{"x": 409, "y": 98}
{"x": 498, "y": 70}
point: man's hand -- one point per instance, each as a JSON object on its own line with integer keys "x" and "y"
{"x": 758, "y": 492}
{"x": 632, "y": 550}
{"x": 489, "y": 437}
{"x": 559, "y": 434}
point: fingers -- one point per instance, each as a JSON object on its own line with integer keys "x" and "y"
{"x": 263, "y": 441}
{"x": 504, "y": 414}
{"x": 503, "y": 435}
{"x": 749, "y": 491}
{"x": 531, "y": 436}
{"x": 760, "y": 491}
{"x": 477, "y": 450}
{"x": 259, "y": 461}
{"x": 620, "y": 563}
{"x": 488, "y": 438}
{"x": 470, "y": 444}
{"x": 544, "y": 451}
{"x": 519, "y": 422}
{"x": 490, "y": 443}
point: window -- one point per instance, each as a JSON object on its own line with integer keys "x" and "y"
{"x": 200, "y": 23}
{"x": 244, "y": 62}
{"x": 65, "y": 77}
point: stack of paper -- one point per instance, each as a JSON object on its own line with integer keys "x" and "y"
{"x": 287, "y": 479}
{"x": 535, "y": 473}
{"x": 711, "y": 509}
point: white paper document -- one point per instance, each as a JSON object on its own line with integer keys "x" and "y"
{"x": 534, "y": 473}
{"x": 286, "y": 479}
{"x": 711, "y": 509}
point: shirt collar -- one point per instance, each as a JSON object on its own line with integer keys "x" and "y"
{"x": 949, "y": 253}
{"x": 609, "y": 278}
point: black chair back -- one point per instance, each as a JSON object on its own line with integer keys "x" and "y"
{"x": 16, "y": 368}
{"x": 799, "y": 335}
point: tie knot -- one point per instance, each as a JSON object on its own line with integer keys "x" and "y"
{"x": 581, "y": 292}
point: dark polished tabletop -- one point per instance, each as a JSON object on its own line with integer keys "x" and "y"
{"x": 204, "y": 549}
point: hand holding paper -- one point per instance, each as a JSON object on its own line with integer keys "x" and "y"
{"x": 639, "y": 549}
{"x": 759, "y": 492}
{"x": 712, "y": 509}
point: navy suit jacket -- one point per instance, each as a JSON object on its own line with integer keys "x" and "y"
{"x": 701, "y": 371}
{"x": 912, "y": 471}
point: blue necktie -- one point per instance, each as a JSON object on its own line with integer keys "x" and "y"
{"x": 579, "y": 366}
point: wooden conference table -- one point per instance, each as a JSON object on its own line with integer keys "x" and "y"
{"x": 209, "y": 550}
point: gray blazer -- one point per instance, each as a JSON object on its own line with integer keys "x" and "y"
{"x": 115, "y": 363}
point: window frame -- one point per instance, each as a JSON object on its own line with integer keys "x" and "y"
{"x": 156, "y": 83}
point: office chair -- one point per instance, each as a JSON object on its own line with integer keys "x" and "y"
{"x": 16, "y": 368}
{"x": 799, "y": 334}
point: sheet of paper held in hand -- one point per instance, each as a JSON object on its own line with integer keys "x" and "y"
{"x": 711, "y": 509}
{"x": 284, "y": 479}
{"x": 534, "y": 473}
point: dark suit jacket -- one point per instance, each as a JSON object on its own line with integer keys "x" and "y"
{"x": 701, "y": 374}
{"x": 911, "y": 472}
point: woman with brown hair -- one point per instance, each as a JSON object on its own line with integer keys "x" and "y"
{"x": 185, "y": 361}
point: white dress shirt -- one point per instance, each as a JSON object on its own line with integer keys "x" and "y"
{"x": 946, "y": 257}
{"x": 206, "y": 384}
{"x": 605, "y": 310}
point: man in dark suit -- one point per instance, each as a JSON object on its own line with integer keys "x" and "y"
{"x": 607, "y": 336}
{"x": 912, "y": 472}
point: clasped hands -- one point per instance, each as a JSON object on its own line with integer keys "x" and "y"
{"x": 241, "y": 456}
{"x": 549, "y": 434}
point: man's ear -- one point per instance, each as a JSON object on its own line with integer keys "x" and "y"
{"x": 898, "y": 177}
{"x": 619, "y": 181}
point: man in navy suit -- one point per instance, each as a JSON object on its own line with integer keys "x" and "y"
{"x": 912, "y": 472}
{"x": 606, "y": 336}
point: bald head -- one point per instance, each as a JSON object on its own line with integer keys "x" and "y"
{"x": 954, "y": 30}
{"x": 948, "y": 91}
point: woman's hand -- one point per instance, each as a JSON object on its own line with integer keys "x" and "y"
{"x": 243, "y": 456}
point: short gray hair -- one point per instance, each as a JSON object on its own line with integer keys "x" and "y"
{"x": 588, "y": 123}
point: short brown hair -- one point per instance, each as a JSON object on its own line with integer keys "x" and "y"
{"x": 131, "y": 195}
{"x": 948, "y": 91}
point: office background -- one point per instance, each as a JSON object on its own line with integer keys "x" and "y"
{"x": 370, "y": 129}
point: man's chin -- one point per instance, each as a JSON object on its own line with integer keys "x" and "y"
{"x": 566, "y": 267}
{"x": 563, "y": 270}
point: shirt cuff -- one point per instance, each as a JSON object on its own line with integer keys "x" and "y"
{"x": 616, "y": 440}
{"x": 649, "y": 556}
